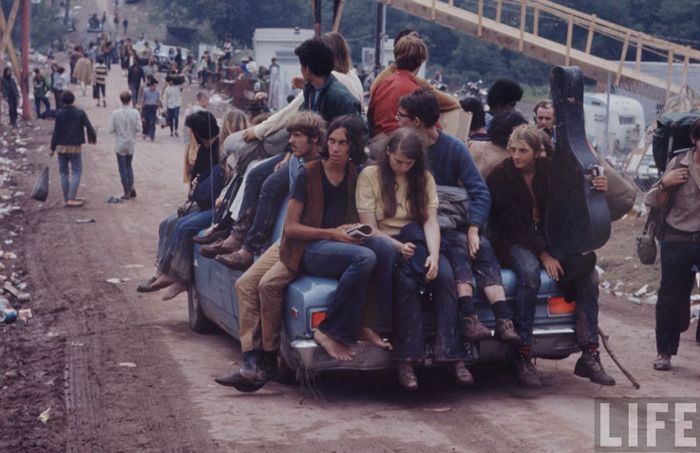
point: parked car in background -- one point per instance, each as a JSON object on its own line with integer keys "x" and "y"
{"x": 212, "y": 302}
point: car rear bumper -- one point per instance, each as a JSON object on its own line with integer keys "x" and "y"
{"x": 550, "y": 343}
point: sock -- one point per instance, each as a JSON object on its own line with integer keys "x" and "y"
{"x": 466, "y": 305}
{"x": 501, "y": 310}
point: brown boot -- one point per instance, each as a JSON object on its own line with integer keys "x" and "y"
{"x": 221, "y": 247}
{"x": 237, "y": 260}
{"x": 505, "y": 331}
{"x": 473, "y": 329}
{"x": 210, "y": 237}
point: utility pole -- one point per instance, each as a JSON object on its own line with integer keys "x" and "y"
{"x": 24, "y": 83}
{"x": 379, "y": 38}
{"x": 316, "y": 11}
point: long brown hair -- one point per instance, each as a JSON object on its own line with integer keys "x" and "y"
{"x": 406, "y": 142}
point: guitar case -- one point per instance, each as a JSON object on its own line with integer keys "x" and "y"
{"x": 578, "y": 219}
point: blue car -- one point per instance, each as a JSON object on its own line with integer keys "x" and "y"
{"x": 212, "y": 302}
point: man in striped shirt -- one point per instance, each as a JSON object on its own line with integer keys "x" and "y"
{"x": 100, "y": 81}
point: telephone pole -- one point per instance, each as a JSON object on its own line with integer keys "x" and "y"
{"x": 24, "y": 83}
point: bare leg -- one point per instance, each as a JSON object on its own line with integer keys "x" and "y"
{"x": 334, "y": 348}
{"x": 494, "y": 293}
{"x": 464, "y": 289}
{"x": 174, "y": 289}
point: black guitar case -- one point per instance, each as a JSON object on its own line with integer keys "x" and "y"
{"x": 578, "y": 219}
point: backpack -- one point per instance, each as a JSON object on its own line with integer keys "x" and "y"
{"x": 672, "y": 133}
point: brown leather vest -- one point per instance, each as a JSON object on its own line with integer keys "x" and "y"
{"x": 292, "y": 250}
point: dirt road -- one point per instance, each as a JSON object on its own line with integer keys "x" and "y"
{"x": 122, "y": 371}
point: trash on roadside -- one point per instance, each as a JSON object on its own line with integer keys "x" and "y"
{"x": 114, "y": 200}
{"x": 24, "y": 314}
{"x": 641, "y": 291}
{"x": 132, "y": 266}
{"x": 599, "y": 269}
{"x": 117, "y": 280}
{"x": 44, "y": 416}
{"x": 127, "y": 364}
{"x": 7, "y": 313}
{"x": 85, "y": 220}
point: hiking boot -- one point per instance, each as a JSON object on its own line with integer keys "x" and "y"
{"x": 589, "y": 366}
{"x": 407, "y": 377}
{"x": 461, "y": 374}
{"x": 250, "y": 376}
{"x": 236, "y": 260}
{"x": 224, "y": 246}
{"x": 473, "y": 329}
{"x": 526, "y": 372}
{"x": 132, "y": 193}
{"x": 210, "y": 238}
{"x": 505, "y": 331}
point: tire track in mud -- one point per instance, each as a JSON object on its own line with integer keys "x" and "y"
{"x": 108, "y": 406}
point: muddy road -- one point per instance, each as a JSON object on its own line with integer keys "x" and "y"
{"x": 122, "y": 371}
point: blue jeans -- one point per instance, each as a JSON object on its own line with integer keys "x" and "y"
{"x": 484, "y": 266}
{"x": 175, "y": 248}
{"x": 257, "y": 216}
{"x": 378, "y": 314}
{"x": 526, "y": 267}
{"x": 37, "y": 106}
{"x": 149, "y": 114}
{"x": 126, "y": 173}
{"x": 409, "y": 340}
{"x": 352, "y": 265}
{"x": 70, "y": 178}
{"x": 172, "y": 117}
{"x": 134, "y": 93}
{"x": 672, "y": 307}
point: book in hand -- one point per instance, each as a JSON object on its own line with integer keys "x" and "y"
{"x": 360, "y": 231}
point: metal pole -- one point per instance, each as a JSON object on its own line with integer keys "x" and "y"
{"x": 316, "y": 6}
{"x": 24, "y": 83}
{"x": 379, "y": 38}
{"x": 607, "y": 115}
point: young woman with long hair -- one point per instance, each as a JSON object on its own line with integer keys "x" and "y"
{"x": 398, "y": 198}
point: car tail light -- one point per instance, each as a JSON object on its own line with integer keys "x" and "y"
{"x": 316, "y": 318}
{"x": 559, "y": 306}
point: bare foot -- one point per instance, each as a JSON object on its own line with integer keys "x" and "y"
{"x": 334, "y": 348}
{"x": 163, "y": 281}
{"x": 174, "y": 289}
{"x": 369, "y": 335}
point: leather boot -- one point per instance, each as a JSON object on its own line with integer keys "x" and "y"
{"x": 228, "y": 245}
{"x": 505, "y": 331}
{"x": 249, "y": 377}
{"x": 211, "y": 237}
{"x": 589, "y": 366}
{"x": 526, "y": 372}
{"x": 461, "y": 374}
{"x": 473, "y": 329}
{"x": 407, "y": 377}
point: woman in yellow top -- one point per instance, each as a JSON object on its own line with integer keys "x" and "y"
{"x": 399, "y": 199}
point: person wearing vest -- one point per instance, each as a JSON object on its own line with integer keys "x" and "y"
{"x": 321, "y": 209}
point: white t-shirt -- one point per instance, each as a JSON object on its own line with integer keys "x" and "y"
{"x": 126, "y": 124}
